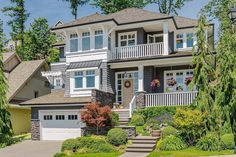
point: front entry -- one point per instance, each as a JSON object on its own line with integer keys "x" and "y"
{"x": 128, "y": 91}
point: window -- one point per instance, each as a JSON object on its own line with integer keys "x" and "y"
{"x": 36, "y": 94}
{"x": 72, "y": 117}
{"x": 85, "y": 41}
{"x": 179, "y": 41}
{"x": 190, "y": 40}
{"x": 127, "y": 39}
{"x": 79, "y": 79}
{"x": 90, "y": 78}
{"x": 58, "y": 82}
{"x": 47, "y": 117}
{"x": 60, "y": 117}
{"x": 73, "y": 43}
{"x": 62, "y": 52}
{"x": 98, "y": 39}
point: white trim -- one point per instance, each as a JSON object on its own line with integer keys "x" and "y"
{"x": 154, "y": 39}
{"x": 58, "y": 63}
{"x": 184, "y": 41}
{"x": 56, "y": 105}
{"x": 127, "y": 33}
{"x": 82, "y": 69}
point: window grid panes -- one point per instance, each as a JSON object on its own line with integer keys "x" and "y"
{"x": 90, "y": 78}
{"x": 128, "y": 39}
{"x": 73, "y": 42}
{"x": 47, "y": 117}
{"x": 60, "y": 117}
{"x": 79, "y": 79}
{"x": 72, "y": 117}
{"x": 190, "y": 40}
{"x": 85, "y": 41}
{"x": 179, "y": 41}
{"x": 98, "y": 39}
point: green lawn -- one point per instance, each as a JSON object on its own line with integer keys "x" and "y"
{"x": 115, "y": 154}
{"x": 190, "y": 152}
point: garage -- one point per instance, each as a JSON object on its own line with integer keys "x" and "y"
{"x": 59, "y": 125}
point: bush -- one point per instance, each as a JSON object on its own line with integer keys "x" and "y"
{"x": 152, "y": 124}
{"x": 169, "y": 130}
{"x": 227, "y": 141}
{"x": 210, "y": 142}
{"x": 59, "y": 155}
{"x": 166, "y": 119}
{"x": 92, "y": 144}
{"x": 171, "y": 143}
{"x": 117, "y": 136}
{"x": 137, "y": 120}
{"x": 226, "y": 129}
{"x": 115, "y": 119}
{"x": 153, "y": 112}
{"x": 191, "y": 124}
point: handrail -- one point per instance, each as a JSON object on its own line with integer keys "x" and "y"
{"x": 132, "y": 106}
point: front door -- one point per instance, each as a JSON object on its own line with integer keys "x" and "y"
{"x": 128, "y": 91}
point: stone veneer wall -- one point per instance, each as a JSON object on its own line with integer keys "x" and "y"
{"x": 102, "y": 97}
{"x": 140, "y": 99}
{"x": 35, "y": 129}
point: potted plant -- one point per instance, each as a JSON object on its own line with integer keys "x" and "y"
{"x": 171, "y": 82}
{"x": 156, "y": 132}
{"x": 188, "y": 80}
{"x": 155, "y": 83}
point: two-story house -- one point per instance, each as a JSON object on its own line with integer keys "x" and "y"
{"x": 115, "y": 58}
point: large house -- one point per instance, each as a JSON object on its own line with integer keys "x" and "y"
{"x": 25, "y": 82}
{"x": 114, "y": 59}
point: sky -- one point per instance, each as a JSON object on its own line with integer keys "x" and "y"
{"x": 54, "y": 10}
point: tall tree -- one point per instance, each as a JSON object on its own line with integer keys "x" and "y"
{"x": 39, "y": 42}
{"x": 169, "y": 6}
{"x": 111, "y": 6}
{"x": 74, "y": 4}
{"x": 225, "y": 83}
{"x": 18, "y": 16}
{"x": 5, "y": 123}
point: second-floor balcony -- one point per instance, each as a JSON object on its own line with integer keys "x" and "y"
{"x": 137, "y": 51}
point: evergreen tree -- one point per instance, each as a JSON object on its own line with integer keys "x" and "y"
{"x": 74, "y": 4}
{"x": 5, "y": 123}
{"x": 169, "y": 6}
{"x": 18, "y": 16}
{"x": 39, "y": 42}
{"x": 112, "y": 6}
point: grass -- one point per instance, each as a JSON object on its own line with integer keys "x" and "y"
{"x": 23, "y": 136}
{"x": 115, "y": 154}
{"x": 189, "y": 152}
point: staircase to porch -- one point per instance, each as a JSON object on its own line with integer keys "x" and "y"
{"x": 124, "y": 117}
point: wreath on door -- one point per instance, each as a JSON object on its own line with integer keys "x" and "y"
{"x": 127, "y": 84}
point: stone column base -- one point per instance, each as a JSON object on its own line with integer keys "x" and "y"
{"x": 140, "y": 99}
{"x": 35, "y": 130}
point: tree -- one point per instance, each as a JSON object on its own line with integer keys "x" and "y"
{"x": 5, "y": 123}
{"x": 97, "y": 116}
{"x": 225, "y": 81}
{"x": 39, "y": 42}
{"x": 112, "y": 6}
{"x": 18, "y": 16}
{"x": 169, "y": 6}
{"x": 74, "y": 4}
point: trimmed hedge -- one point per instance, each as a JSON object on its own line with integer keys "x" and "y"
{"x": 117, "y": 136}
{"x": 137, "y": 120}
{"x": 169, "y": 130}
{"x": 227, "y": 141}
{"x": 171, "y": 143}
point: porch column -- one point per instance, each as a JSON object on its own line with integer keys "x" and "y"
{"x": 165, "y": 38}
{"x": 140, "y": 78}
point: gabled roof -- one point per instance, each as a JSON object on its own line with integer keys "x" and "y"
{"x": 20, "y": 75}
{"x": 130, "y": 15}
{"x": 56, "y": 98}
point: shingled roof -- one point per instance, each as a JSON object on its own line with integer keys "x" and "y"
{"x": 57, "y": 98}
{"x": 8, "y": 55}
{"x": 20, "y": 75}
{"x": 130, "y": 15}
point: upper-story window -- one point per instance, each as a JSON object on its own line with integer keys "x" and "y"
{"x": 85, "y": 41}
{"x": 79, "y": 79}
{"x": 98, "y": 39}
{"x": 90, "y": 78}
{"x": 73, "y": 43}
{"x": 185, "y": 40}
{"x": 84, "y": 79}
{"x": 127, "y": 39}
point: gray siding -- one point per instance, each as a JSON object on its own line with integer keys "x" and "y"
{"x": 67, "y": 84}
{"x": 148, "y": 77}
{"x": 60, "y": 67}
{"x": 171, "y": 41}
{"x": 107, "y": 78}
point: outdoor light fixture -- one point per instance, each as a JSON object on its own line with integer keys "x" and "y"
{"x": 232, "y": 15}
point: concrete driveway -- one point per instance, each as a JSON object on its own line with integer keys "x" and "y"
{"x": 32, "y": 149}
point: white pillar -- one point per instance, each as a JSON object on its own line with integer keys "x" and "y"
{"x": 79, "y": 41}
{"x": 140, "y": 78}
{"x": 92, "y": 39}
{"x": 166, "y": 38}
{"x": 105, "y": 37}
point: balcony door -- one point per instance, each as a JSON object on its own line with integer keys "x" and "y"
{"x": 155, "y": 38}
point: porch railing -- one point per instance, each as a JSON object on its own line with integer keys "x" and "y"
{"x": 170, "y": 99}
{"x": 136, "y": 51}
{"x": 132, "y": 106}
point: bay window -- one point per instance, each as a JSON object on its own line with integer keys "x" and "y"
{"x": 98, "y": 39}
{"x": 90, "y": 78}
{"x": 85, "y": 41}
{"x": 84, "y": 79}
{"x": 73, "y": 43}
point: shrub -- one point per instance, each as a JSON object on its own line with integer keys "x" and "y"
{"x": 190, "y": 123}
{"x": 137, "y": 120}
{"x": 165, "y": 119}
{"x": 152, "y": 124}
{"x": 117, "y": 136}
{"x": 210, "y": 142}
{"x": 97, "y": 116}
{"x": 226, "y": 129}
{"x": 115, "y": 119}
{"x": 171, "y": 143}
{"x": 227, "y": 141}
{"x": 59, "y": 155}
{"x": 152, "y": 112}
{"x": 169, "y": 130}
{"x": 69, "y": 144}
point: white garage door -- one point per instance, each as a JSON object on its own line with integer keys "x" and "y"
{"x": 60, "y": 125}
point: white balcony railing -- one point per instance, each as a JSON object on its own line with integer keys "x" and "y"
{"x": 136, "y": 51}
{"x": 170, "y": 99}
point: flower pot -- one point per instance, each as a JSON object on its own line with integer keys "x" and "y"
{"x": 156, "y": 133}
